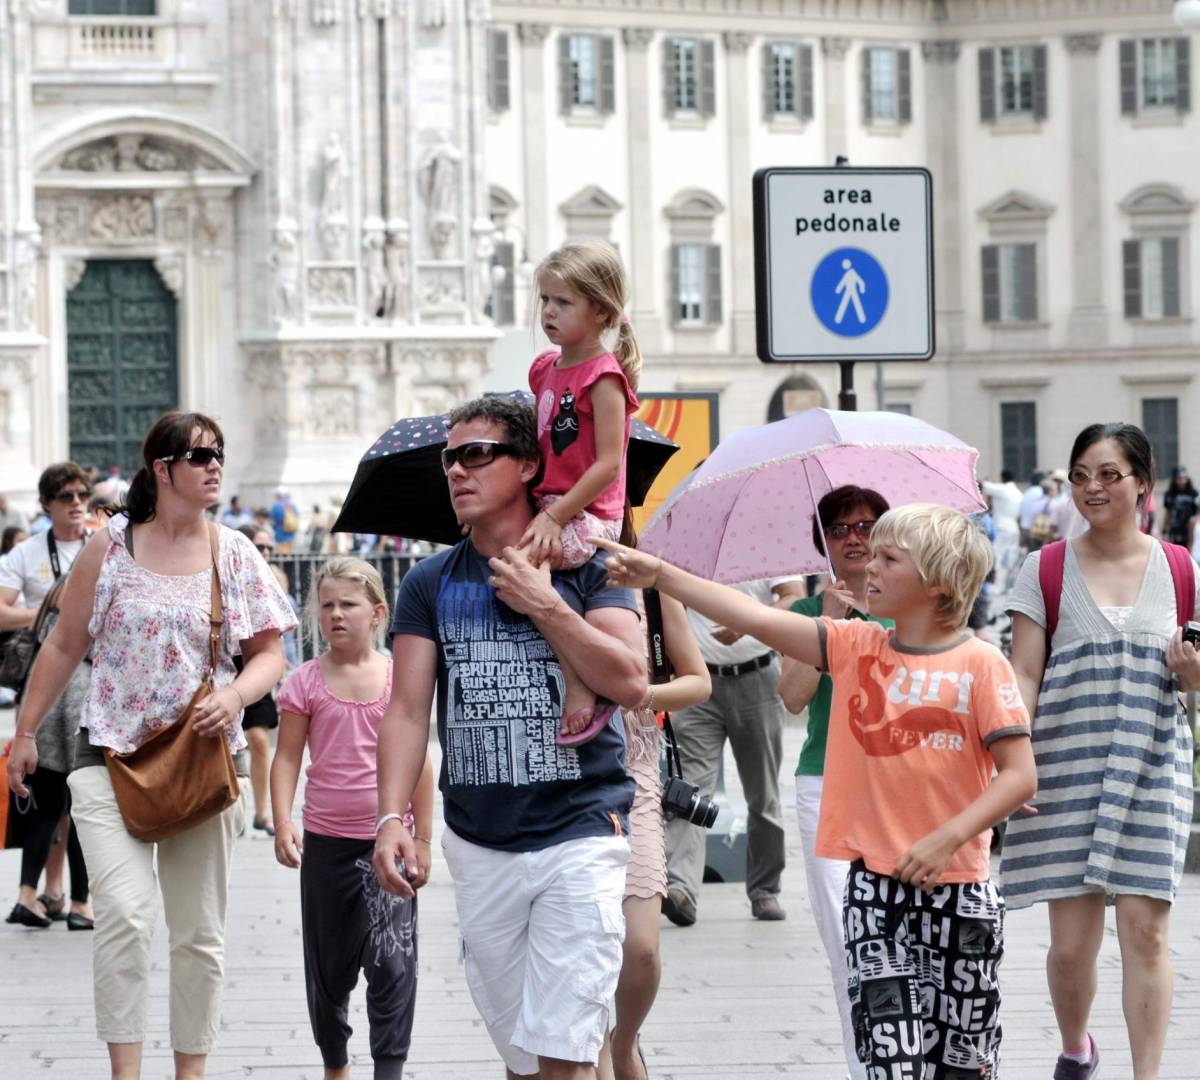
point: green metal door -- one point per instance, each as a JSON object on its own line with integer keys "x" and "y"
{"x": 122, "y": 371}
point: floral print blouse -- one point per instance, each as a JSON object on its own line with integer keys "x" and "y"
{"x": 151, "y": 637}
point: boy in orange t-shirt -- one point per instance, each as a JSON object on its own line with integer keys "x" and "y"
{"x": 921, "y": 715}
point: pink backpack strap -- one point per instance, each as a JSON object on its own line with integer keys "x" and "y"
{"x": 1052, "y": 559}
{"x": 1184, "y": 575}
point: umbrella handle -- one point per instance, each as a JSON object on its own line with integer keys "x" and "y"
{"x": 820, "y": 525}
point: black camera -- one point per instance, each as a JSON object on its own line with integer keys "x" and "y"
{"x": 683, "y": 800}
{"x": 1191, "y": 633}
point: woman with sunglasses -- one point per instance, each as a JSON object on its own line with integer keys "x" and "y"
{"x": 139, "y": 598}
{"x": 1113, "y": 749}
{"x": 842, "y": 528}
{"x": 27, "y": 574}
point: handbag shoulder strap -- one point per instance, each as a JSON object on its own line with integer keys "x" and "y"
{"x": 1184, "y": 575}
{"x": 216, "y": 612}
{"x": 1052, "y": 560}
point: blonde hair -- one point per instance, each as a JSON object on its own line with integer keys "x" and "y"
{"x": 950, "y": 553}
{"x": 346, "y": 568}
{"x": 594, "y": 270}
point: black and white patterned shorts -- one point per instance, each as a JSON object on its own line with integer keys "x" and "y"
{"x": 924, "y": 988}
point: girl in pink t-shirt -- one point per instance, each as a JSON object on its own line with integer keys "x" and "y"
{"x": 585, "y": 394}
{"x": 348, "y": 923}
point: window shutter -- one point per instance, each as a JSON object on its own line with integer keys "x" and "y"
{"x": 987, "y": 85}
{"x": 1131, "y": 275}
{"x": 1183, "y": 75}
{"x": 608, "y": 73}
{"x": 673, "y": 285}
{"x": 712, "y": 285}
{"x": 1127, "y": 65}
{"x": 768, "y": 82}
{"x": 500, "y": 81}
{"x": 668, "y": 76}
{"x": 566, "y": 84}
{"x": 1027, "y": 283}
{"x": 804, "y": 80}
{"x": 991, "y": 282}
{"x": 1170, "y": 276}
{"x": 865, "y": 86}
{"x": 1039, "y": 82}
{"x": 708, "y": 79}
{"x": 904, "y": 68}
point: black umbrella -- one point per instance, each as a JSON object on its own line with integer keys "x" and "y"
{"x": 399, "y": 488}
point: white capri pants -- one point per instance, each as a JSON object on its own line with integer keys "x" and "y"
{"x": 193, "y": 877}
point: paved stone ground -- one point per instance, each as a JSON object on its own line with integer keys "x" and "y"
{"x": 740, "y": 1000}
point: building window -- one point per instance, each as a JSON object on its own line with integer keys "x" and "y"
{"x": 586, "y": 73}
{"x": 696, "y": 281}
{"x": 112, "y": 7}
{"x": 787, "y": 80}
{"x": 1010, "y": 283}
{"x": 1160, "y": 422}
{"x": 902, "y": 407}
{"x": 689, "y": 76}
{"x": 501, "y": 305}
{"x": 497, "y": 70}
{"x": 886, "y": 86}
{"x": 1018, "y": 437}
{"x": 1151, "y": 277}
{"x": 1012, "y": 83}
{"x": 1155, "y": 74}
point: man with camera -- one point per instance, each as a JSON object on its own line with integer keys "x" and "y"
{"x": 535, "y": 835}
{"x": 745, "y": 709}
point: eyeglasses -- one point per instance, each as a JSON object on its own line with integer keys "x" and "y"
{"x": 474, "y": 454}
{"x": 69, "y": 498}
{"x": 266, "y": 549}
{"x": 841, "y": 529}
{"x": 1080, "y": 477}
{"x": 199, "y": 456}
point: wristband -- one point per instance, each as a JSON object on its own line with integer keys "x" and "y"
{"x": 281, "y": 823}
{"x": 385, "y": 819}
{"x": 423, "y": 839}
{"x": 26, "y": 734}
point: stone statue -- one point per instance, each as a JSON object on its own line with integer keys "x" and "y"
{"x": 395, "y": 261}
{"x": 333, "y": 195}
{"x": 438, "y": 185}
{"x": 283, "y": 261}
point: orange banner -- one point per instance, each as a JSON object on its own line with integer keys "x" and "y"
{"x": 689, "y": 419}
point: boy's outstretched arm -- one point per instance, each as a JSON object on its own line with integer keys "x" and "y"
{"x": 1015, "y": 783}
{"x": 787, "y": 632}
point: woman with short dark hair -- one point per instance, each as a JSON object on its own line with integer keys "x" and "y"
{"x": 1100, "y": 661}
{"x": 140, "y": 598}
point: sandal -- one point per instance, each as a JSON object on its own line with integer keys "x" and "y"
{"x": 601, "y": 714}
{"x": 54, "y": 906}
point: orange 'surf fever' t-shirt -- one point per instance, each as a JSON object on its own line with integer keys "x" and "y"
{"x": 909, "y": 733}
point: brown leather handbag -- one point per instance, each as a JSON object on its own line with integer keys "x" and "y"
{"x": 176, "y": 779}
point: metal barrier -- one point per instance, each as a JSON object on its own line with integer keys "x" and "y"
{"x": 300, "y": 569}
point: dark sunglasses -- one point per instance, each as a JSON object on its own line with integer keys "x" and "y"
{"x": 473, "y": 455}
{"x": 266, "y": 549}
{"x": 69, "y": 498}
{"x": 840, "y": 530}
{"x": 198, "y": 456}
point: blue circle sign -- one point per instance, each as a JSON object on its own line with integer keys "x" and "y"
{"x": 849, "y": 292}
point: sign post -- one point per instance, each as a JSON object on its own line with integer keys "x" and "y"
{"x": 843, "y": 266}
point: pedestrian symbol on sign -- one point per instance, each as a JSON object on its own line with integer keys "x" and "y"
{"x": 849, "y": 292}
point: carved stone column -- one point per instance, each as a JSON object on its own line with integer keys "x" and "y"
{"x": 834, "y": 50}
{"x": 741, "y": 202}
{"x": 641, "y": 263}
{"x": 1089, "y": 323}
{"x": 941, "y": 100}
{"x": 533, "y": 113}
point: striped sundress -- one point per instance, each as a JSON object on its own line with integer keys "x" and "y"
{"x": 1113, "y": 749}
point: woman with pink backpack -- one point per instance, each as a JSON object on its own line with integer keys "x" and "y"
{"x": 1100, "y": 660}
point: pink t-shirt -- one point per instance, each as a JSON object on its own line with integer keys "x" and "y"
{"x": 566, "y": 431}
{"x": 339, "y": 796}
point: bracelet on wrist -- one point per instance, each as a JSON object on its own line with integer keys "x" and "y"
{"x": 423, "y": 839}
{"x": 649, "y": 702}
{"x": 551, "y": 517}
{"x": 282, "y": 822}
{"x": 233, "y": 687}
{"x": 385, "y": 819}
{"x": 26, "y": 734}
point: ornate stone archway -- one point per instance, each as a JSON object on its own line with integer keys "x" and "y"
{"x": 136, "y": 185}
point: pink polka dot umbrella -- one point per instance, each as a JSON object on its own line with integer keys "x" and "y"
{"x": 747, "y": 512}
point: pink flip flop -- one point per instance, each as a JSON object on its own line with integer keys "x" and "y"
{"x": 601, "y": 714}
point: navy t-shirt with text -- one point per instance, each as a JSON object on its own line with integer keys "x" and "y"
{"x": 505, "y": 783}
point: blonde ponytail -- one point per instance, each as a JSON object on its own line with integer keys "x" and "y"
{"x": 628, "y": 354}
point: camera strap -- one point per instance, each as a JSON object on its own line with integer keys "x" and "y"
{"x": 660, "y": 672}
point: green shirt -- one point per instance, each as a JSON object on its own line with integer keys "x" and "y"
{"x": 812, "y": 754}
